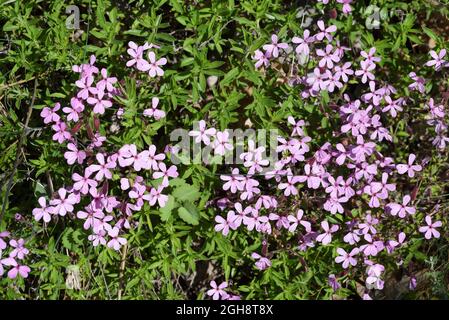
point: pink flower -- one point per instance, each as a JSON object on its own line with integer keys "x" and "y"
{"x": 85, "y": 84}
{"x": 61, "y": 132}
{"x": 221, "y": 143}
{"x": 298, "y": 220}
{"x": 303, "y": 43}
{"x": 154, "y": 67}
{"x": 153, "y": 111}
{"x": 401, "y": 209}
{"x": 347, "y": 258}
{"x": 41, "y": 213}
{"x": 410, "y": 168}
{"x": 74, "y": 154}
{"x": 437, "y": 61}
{"x": 370, "y": 56}
{"x": 234, "y": 181}
{"x": 83, "y": 184}
{"x": 418, "y": 83}
{"x": 50, "y": 115}
{"x": 102, "y": 167}
{"x": 262, "y": 59}
{"x": 262, "y": 263}
{"x": 136, "y": 52}
{"x": 153, "y": 158}
{"x": 224, "y": 225}
{"x": 273, "y": 48}
{"x": 365, "y": 72}
{"x": 328, "y": 57}
{"x": 3, "y": 234}
{"x": 107, "y": 83}
{"x": 156, "y": 195}
{"x": 92, "y": 215}
{"x": 16, "y": 268}
{"x": 165, "y": 173}
{"x": 63, "y": 204}
{"x": 19, "y": 249}
{"x": 289, "y": 187}
{"x": 392, "y": 106}
{"x": 313, "y": 181}
{"x": 116, "y": 242}
{"x": 430, "y": 230}
{"x": 99, "y": 103}
{"x": 326, "y": 237}
{"x": 202, "y": 134}
{"x": 98, "y": 238}
{"x": 217, "y": 292}
{"x": 325, "y": 32}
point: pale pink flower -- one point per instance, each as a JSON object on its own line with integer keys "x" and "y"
{"x": 430, "y": 230}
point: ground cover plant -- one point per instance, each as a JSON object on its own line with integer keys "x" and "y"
{"x": 224, "y": 149}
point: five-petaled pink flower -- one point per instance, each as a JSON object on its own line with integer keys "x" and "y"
{"x": 430, "y": 230}
{"x": 217, "y": 292}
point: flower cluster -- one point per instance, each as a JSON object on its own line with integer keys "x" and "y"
{"x": 15, "y": 258}
{"x": 360, "y": 213}
{"x": 108, "y": 184}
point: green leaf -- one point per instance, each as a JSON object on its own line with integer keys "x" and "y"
{"x": 186, "y": 193}
{"x": 190, "y": 217}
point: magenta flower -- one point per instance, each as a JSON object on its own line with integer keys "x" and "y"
{"x": 272, "y": 49}
{"x": 50, "y": 115}
{"x": 154, "y": 66}
{"x": 44, "y": 212}
{"x": 347, "y": 258}
{"x": 74, "y": 154}
{"x": 217, "y": 292}
{"x": 410, "y": 168}
{"x": 154, "y": 111}
{"x": 63, "y": 204}
{"x": 430, "y": 230}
